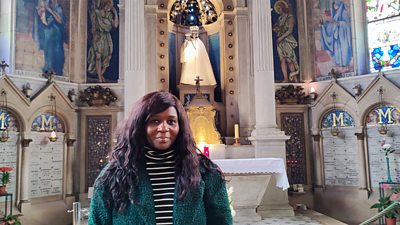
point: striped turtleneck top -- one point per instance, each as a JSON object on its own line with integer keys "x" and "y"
{"x": 160, "y": 166}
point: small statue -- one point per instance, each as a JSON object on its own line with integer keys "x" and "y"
{"x": 3, "y": 66}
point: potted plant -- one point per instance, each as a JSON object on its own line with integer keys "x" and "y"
{"x": 5, "y": 178}
{"x": 11, "y": 220}
{"x": 382, "y": 204}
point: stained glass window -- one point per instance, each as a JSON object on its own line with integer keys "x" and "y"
{"x": 383, "y": 17}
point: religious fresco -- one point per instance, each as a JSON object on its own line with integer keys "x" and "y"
{"x": 42, "y": 33}
{"x": 103, "y": 41}
{"x": 285, "y": 41}
{"x": 383, "y": 17}
{"x": 333, "y": 38}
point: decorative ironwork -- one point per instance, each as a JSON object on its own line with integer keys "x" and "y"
{"x": 98, "y": 145}
{"x": 293, "y": 125}
{"x": 97, "y": 96}
{"x": 291, "y": 95}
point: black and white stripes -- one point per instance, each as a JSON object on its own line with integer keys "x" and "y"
{"x": 160, "y": 167}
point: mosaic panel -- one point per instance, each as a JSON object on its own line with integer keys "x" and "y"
{"x": 293, "y": 125}
{"x": 98, "y": 145}
{"x": 385, "y": 114}
{"x": 8, "y": 121}
{"x": 339, "y": 118}
{"x": 47, "y": 122}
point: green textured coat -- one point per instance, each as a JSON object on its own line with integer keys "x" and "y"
{"x": 207, "y": 205}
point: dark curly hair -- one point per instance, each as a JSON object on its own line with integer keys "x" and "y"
{"x": 120, "y": 179}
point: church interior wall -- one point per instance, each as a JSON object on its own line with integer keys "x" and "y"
{"x": 349, "y": 203}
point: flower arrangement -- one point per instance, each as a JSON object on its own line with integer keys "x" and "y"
{"x": 230, "y": 191}
{"x": 387, "y": 149}
{"x": 11, "y": 220}
{"x": 5, "y": 175}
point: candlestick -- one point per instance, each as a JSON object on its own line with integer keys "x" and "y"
{"x": 206, "y": 152}
{"x": 236, "y": 131}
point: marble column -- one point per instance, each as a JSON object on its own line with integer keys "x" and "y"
{"x": 362, "y": 163}
{"x": 268, "y": 140}
{"x": 317, "y": 160}
{"x": 24, "y": 203}
{"x": 134, "y": 53}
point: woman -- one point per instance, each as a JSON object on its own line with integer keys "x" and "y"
{"x": 155, "y": 175}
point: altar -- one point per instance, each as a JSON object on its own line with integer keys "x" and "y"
{"x": 251, "y": 179}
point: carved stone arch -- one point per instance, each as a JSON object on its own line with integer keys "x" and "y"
{"x": 17, "y": 103}
{"x": 65, "y": 110}
{"x": 370, "y": 96}
{"x": 329, "y": 108}
{"x": 324, "y": 103}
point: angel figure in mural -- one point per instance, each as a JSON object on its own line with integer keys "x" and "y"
{"x": 286, "y": 42}
{"x": 49, "y": 34}
{"x": 103, "y": 17}
{"x": 336, "y": 34}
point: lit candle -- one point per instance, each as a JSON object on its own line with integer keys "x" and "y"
{"x": 53, "y": 134}
{"x": 236, "y": 131}
{"x": 312, "y": 90}
{"x": 206, "y": 152}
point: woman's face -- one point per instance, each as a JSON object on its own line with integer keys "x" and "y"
{"x": 162, "y": 129}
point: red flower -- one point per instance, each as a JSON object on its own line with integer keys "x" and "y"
{"x": 6, "y": 169}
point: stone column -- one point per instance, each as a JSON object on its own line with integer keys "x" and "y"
{"x": 268, "y": 140}
{"x": 24, "y": 203}
{"x": 362, "y": 164}
{"x": 317, "y": 161}
{"x": 134, "y": 53}
{"x": 70, "y": 159}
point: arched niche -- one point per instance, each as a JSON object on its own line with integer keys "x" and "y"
{"x": 213, "y": 37}
{"x": 340, "y": 157}
{"x": 11, "y": 125}
{"x": 382, "y": 126}
{"x": 48, "y": 166}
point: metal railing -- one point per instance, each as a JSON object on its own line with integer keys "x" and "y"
{"x": 381, "y": 213}
{"x": 78, "y": 213}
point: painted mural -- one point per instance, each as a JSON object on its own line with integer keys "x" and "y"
{"x": 42, "y": 32}
{"x": 285, "y": 41}
{"x": 103, "y": 41}
{"x": 333, "y": 38}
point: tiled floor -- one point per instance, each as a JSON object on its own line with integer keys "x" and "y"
{"x": 303, "y": 217}
{"x": 298, "y": 220}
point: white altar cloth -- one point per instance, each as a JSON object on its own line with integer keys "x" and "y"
{"x": 256, "y": 166}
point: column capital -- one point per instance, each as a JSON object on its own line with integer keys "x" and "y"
{"x": 316, "y": 137}
{"x": 25, "y": 142}
{"x": 360, "y": 136}
{"x": 70, "y": 142}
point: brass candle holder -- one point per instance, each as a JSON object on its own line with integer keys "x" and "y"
{"x": 237, "y": 142}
